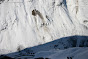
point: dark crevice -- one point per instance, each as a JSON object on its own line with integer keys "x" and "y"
{"x": 85, "y": 21}
{"x": 85, "y": 26}
{"x": 47, "y": 18}
{"x": 4, "y": 27}
{"x": 1, "y": 1}
{"x": 36, "y": 12}
{"x": 65, "y": 3}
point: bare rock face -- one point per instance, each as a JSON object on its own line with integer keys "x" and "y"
{"x": 27, "y": 23}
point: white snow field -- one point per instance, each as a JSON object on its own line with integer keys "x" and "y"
{"x": 28, "y": 23}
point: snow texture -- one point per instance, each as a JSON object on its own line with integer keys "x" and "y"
{"x": 28, "y": 23}
{"x": 74, "y": 53}
{"x": 61, "y": 46}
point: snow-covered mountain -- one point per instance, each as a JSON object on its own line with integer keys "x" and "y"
{"x": 66, "y": 47}
{"x": 28, "y": 23}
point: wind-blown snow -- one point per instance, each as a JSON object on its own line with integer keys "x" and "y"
{"x": 53, "y": 19}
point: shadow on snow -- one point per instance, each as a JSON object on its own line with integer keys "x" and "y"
{"x": 62, "y": 43}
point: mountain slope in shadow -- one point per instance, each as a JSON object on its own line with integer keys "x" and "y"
{"x": 62, "y": 43}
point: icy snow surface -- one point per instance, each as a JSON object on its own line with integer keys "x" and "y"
{"x": 27, "y": 23}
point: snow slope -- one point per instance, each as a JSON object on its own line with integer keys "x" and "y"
{"x": 27, "y": 23}
{"x": 75, "y": 53}
{"x": 63, "y": 44}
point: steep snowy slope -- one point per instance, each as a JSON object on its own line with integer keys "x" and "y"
{"x": 27, "y": 23}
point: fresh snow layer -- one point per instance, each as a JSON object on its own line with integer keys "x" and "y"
{"x": 75, "y": 53}
{"x": 27, "y": 23}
